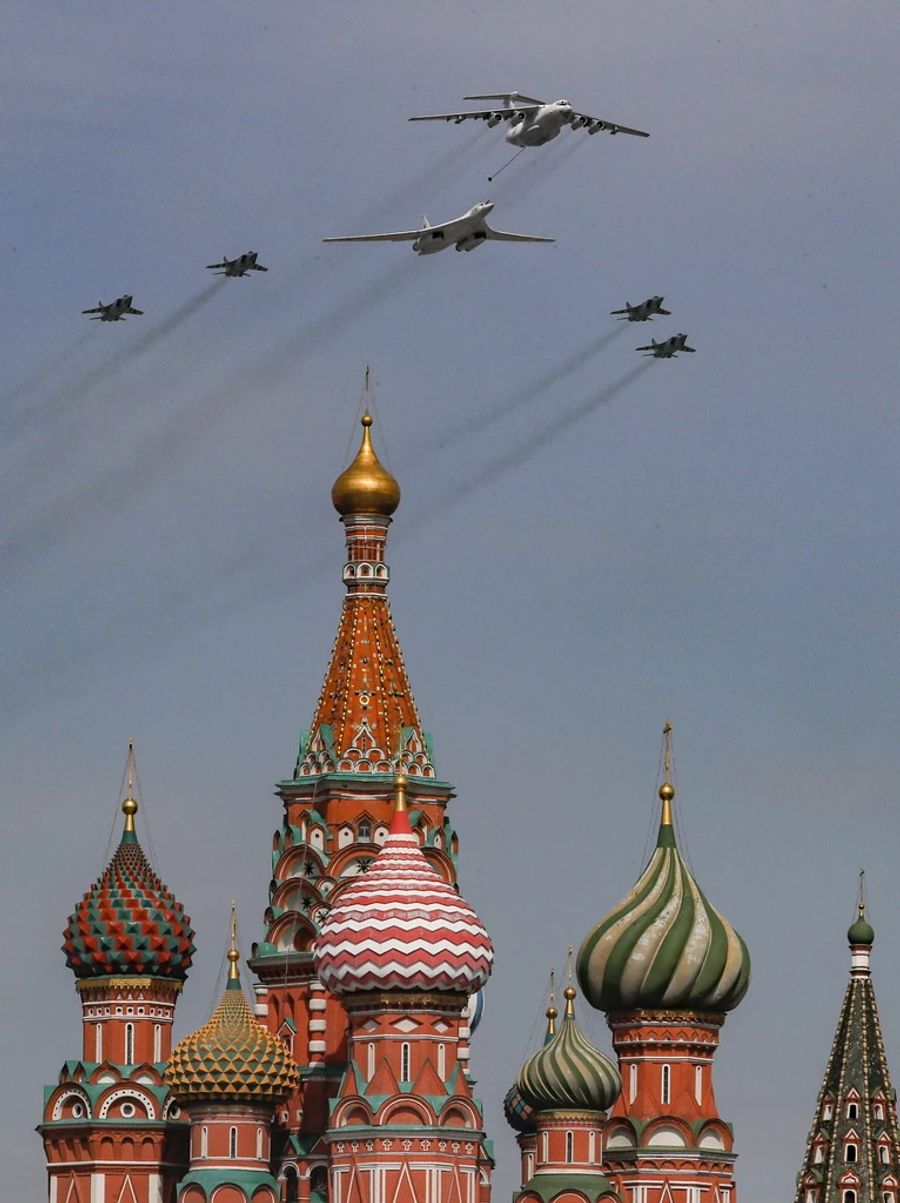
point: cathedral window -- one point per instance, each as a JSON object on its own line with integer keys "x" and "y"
{"x": 666, "y": 1087}
{"x": 442, "y": 1061}
{"x": 698, "y": 1083}
{"x": 259, "y": 1144}
{"x": 852, "y": 1111}
{"x": 290, "y": 1178}
{"x": 570, "y": 1147}
{"x": 849, "y": 1196}
{"x": 129, "y": 1044}
{"x": 404, "y": 1062}
{"x": 98, "y": 1042}
{"x": 370, "y": 1060}
{"x": 545, "y": 1147}
{"x": 157, "y": 1042}
{"x": 204, "y": 1142}
{"x": 850, "y": 1152}
{"x": 883, "y": 1155}
{"x": 819, "y": 1154}
{"x": 232, "y": 1143}
{"x": 365, "y": 832}
{"x": 827, "y": 1111}
{"x": 879, "y": 1111}
{"x": 632, "y": 1082}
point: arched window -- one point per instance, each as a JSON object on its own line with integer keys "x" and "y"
{"x": 129, "y": 1044}
{"x": 819, "y": 1154}
{"x": 850, "y": 1152}
{"x": 290, "y": 1178}
{"x": 883, "y": 1155}
{"x": 545, "y": 1146}
{"x": 879, "y": 1111}
{"x": 849, "y": 1196}
{"x": 259, "y": 1144}
{"x": 592, "y": 1146}
{"x": 404, "y": 1062}
{"x": 370, "y": 1060}
{"x": 698, "y": 1083}
{"x": 98, "y": 1042}
{"x": 204, "y": 1142}
{"x": 232, "y": 1143}
{"x": 666, "y": 1091}
{"x": 570, "y": 1147}
{"x": 852, "y": 1111}
{"x": 157, "y": 1042}
{"x": 632, "y": 1082}
{"x": 365, "y": 832}
{"x": 442, "y": 1061}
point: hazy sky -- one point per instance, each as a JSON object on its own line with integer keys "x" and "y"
{"x": 710, "y": 540}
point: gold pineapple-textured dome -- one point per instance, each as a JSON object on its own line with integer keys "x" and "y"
{"x": 366, "y": 487}
{"x": 232, "y": 1057}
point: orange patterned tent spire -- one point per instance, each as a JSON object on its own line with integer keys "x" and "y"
{"x": 366, "y": 719}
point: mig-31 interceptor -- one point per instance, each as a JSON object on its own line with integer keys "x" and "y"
{"x": 668, "y": 349}
{"x": 115, "y": 311}
{"x": 532, "y": 122}
{"x": 237, "y": 267}
{"x": 643, "y": 312}
{"x": 465, "y": 233}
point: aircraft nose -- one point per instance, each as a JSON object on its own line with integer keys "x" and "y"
{"x": 487, "y": 206}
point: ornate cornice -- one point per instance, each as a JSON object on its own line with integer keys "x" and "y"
{"x": 128, "y": 985}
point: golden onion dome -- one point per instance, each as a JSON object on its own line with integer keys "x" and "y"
{"x": 232, "y": 1057}
{"x": 366, "y": 487}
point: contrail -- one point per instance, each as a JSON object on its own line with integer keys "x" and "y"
{"x": 59, "y": 360}
{"x": 180, "y": 435}
{"x": 62, "y": 397}
{"x": 467, "y": 484}
{"x": 524, "y": 396}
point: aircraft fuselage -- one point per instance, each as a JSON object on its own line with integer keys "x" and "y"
{"x": 540, "y": 127}
{"x": 465, "y": 233}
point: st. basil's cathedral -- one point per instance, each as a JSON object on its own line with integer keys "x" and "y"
{"x": 348, "y": 1080}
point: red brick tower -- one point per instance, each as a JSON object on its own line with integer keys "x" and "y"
{"x": 403, "y": 952}
{"x": 666, "y": 967}
{"x": 230, "y": 1075}
{"x": 111, "y": 1130}
{"x": 337, "y": 811}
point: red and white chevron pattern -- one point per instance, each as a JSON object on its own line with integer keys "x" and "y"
{"x": 402, "y": 927}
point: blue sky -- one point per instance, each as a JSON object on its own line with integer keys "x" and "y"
{"x": 712, "y": 542}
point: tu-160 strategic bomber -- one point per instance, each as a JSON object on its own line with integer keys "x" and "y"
{"x": 465, "y": 233}
{"x": 532, "y": 122}
{"x": 115, "y": 311}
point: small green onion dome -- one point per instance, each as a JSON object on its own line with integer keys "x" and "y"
{"x": 568, "y": 1072}
{"x": 664, "y": 945}
{"x": 861, "y": 931}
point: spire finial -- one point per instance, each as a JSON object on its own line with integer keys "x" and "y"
{"x": 129, "y": 803}
{"x": 366, "y": 486}
{"x": 569, "y": 992}
{"x": 667, "y": 790}
{"x": 861, "y": 899}
{"x": 234, "y": 974}
{"x": 400, "y": 820}
{"x": 551, "y": 1011}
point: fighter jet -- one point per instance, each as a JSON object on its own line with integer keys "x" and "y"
{"x": 643, "y": 312}
{"x": 238, "y": 267}
{"x": 668, "y": 349}
{"x": 532, "y": 122}
{"x": 465, "y": 233}
{"x": 115, "y": 311}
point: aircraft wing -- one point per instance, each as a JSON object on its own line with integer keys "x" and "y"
{"x": 258, "y": 267}
{"x": 481, "y": 115}
{"x": 502, "y": 236}
{"x": 99, "y": 309}
{"x": 652, "y": 347}
{"x": 690, "y": 350}
{"x": 224, "y": 264}
{"x": 597, "y": 123}
{"x": 138, "y": 311}
{"x": 399, "y": 236}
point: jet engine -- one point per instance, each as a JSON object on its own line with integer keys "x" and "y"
{"x": 493, "y": 120}
{"x": 470, "y": 241}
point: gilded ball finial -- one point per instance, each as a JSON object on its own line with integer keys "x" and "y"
{"x": 551, "y": 1012}
{"x": 569, "y": 993}
{"x": 366, "y": 419}
{"x": 667, "y": 791}
{"x": 130, "y": 806}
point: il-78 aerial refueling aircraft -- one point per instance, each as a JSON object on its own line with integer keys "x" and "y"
{"x": 668, "y": 349}
{"x": 115, "y": 311}
{"x": 532, "y": 122}
{"x": 465, "y": 233}
{"x": 238, "y": 267}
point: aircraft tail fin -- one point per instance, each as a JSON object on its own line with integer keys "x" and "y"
{"x": 426, "y": 224}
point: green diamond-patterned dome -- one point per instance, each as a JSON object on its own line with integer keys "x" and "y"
{"x": 128, "y": 922}
{"x": 233, "y": 1057}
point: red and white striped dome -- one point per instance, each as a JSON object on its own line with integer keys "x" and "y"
{"x": 402, "y": 927}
